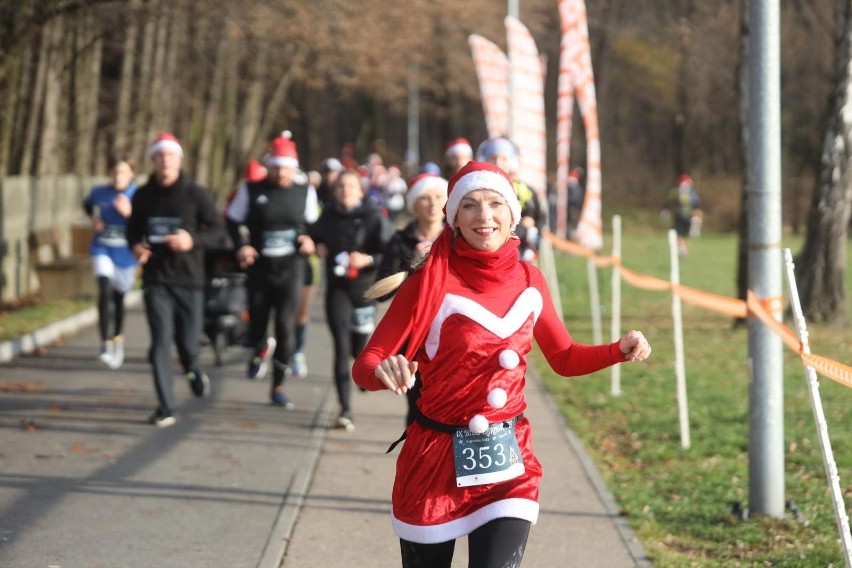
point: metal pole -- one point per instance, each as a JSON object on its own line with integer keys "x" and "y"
{"x": 680, "y": 365}
{"x": 766, "y": 396}
{"x": 828, "y": 462}
{"x": 615, "y": 325}
{"x": 412, "y": 153}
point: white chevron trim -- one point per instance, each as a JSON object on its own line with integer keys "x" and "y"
{"x": 529, "y": 302}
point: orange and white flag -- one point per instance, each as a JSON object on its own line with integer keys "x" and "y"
{"x": 577, "y": 81}
{"x": 492, "y": 71}
{"x": 526, "y": 85}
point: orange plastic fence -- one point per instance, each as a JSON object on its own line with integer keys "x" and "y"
{"x": 760, "y": 308}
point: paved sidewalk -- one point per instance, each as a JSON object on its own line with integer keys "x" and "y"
{"x": 85, "y": 482}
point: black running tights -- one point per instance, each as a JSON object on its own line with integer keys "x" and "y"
{"x": 107, "y": 294}
{"x": 497, "y": 544}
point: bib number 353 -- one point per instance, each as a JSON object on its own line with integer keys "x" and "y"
{"x": 490, "y": 457}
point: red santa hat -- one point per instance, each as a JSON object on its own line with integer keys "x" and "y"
{"x": 165, "y": 141}
{"x": 254, "y": 171}
{"x": 458, "y": 146}
{"x": 433, "y": 286}
{"x": 282, "y": 152}
{"x": 422, "y": 183}
{"x": 480, "y": 175}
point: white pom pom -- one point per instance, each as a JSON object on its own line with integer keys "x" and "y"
{"x": 497, "y": 398}
{"x": 287, "y": 134}
{"x": 339, "y": 270}
{"x": 509, "y": 359}
{"x": 478, "y": 424}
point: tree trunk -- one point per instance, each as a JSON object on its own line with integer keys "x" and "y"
{"x": 126, "y": 86}
{"x": 141, "y": 116}
{"x": 276, "y": 101}
{"x": 156, "y": 120}
{"x": 212, "y": 109}
{"x": 9, "y": 101}
{"x": 49, "y": 153}
{"x": 33, "y": 123}
{"x": 226, "y": 174}
{"x": 87, "y": 87}
{"x": 251, "y": 114}
{"x": 169, "y": 98}
{"x": 821, "y": 265}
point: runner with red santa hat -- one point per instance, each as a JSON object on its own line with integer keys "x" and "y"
{"x": 465, "y": 319}
{"x": 173, "y": 220}
{"x": 268, "y": 221}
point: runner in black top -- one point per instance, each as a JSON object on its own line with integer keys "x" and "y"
{"x": 351, "y": 235}
{"x": 171, "y": 222}
{"x": 268, "y": 221}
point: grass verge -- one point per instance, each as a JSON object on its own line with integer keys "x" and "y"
{"x": 20, "y": 320}
{"x": 679, "y": 502}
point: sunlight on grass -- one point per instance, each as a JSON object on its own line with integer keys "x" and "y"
{"x": 679, "y": 502}
{"x": 20, "y": 321}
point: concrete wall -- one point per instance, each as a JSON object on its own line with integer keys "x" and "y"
{"x": 29, "y": 204}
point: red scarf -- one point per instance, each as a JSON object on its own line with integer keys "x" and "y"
{"x": 479, "y": 269}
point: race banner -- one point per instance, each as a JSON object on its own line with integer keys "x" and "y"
{"x": 576, "y": 81}
{"x": 492, "y": 70}
{"x": 526, "y": 84}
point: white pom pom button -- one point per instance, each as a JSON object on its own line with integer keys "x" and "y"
{"x": 497, "y": 398}
{"x": 478, "y": 424}
{"x": 509, "y": 359}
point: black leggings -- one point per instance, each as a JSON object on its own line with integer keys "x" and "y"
{"x": 497, "y": 544}
{"x": 339, "y": 304}
{"x": 106, "y": 294}
{"x": 277, "y": 292}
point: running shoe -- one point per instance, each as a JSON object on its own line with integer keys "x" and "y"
{"x": 345, "y": 422}
{"x": 106, "y": 352}
{"x": 199, "y": 382}
{"x": 162, "y": 419}
{"x": 117, "y": 359}
{"x": 259, "y": 365}
{"x": 280, "y": 399}
{"x": 300, "y": 365}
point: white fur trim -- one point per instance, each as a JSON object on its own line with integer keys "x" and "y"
{"x": 280, "y": 161}
{"x": 482, "y": 179}
{"x": 459, "y": 148}
{"x": 427, "y": 183}
{"x": 165, "y": 145}
{"x": 517, "y": 508}
{"x": 529, "y": 302}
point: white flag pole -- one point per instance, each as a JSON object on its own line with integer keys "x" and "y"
{"x": 615, "y": 329}
{"x": 680, "y": 367}
{"x": 819, "y": 416}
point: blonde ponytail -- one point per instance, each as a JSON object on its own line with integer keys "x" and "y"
{"x": 385, "y": 286}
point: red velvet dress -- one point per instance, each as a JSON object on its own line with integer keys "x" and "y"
{"x": 477, "y": 342}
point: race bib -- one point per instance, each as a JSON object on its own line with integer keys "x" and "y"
{"x": 364, "y": 319}
{"x": 160, "y": 227}
{"x": 490, "y": 457}
{"x": 279, "y": 243}
{"x": 113, "y": 236}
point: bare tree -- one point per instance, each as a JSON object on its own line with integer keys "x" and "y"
{"x": 822, "y": 261}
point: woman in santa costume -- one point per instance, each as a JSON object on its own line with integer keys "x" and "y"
{"x": 465, "y": 319}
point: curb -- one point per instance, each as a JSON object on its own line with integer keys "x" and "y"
{"x": 29, "y": 342}
{"x": 297, "y": 490}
